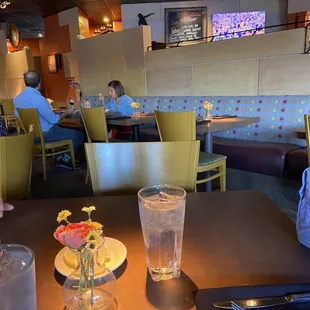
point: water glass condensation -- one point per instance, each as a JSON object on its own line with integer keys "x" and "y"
{"x": 162, "y": 211}
{"x": 17, "y": 278}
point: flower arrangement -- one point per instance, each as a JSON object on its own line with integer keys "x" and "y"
{"x": 78, "y": 236}
{"x": 136, "y": 106}
{"x": 83, "y": 238}
{"x": 208, "y": 106}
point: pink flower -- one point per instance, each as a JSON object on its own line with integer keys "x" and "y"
{"x": 73, "y": 235}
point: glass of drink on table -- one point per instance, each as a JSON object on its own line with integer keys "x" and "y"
{"x": 162, "y": 211}
{"x": 17, "y": 277}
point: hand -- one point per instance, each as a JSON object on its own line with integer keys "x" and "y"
{"x": 4, "y": 207}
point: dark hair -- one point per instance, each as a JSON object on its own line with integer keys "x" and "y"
{"x": 119, "y": 89}
{"x": 32, "y": 78}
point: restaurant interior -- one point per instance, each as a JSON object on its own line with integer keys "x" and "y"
{"x": 154, "y": 154}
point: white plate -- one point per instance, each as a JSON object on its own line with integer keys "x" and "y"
{"x": 118, "y": 253}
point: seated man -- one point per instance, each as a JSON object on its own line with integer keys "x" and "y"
{"x": 31, "y": 97}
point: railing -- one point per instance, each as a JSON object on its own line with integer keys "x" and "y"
{"x": 307, "y": 39}
{"x": 254, "y": 31}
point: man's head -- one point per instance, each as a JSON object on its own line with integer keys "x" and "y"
{"x": 32, "y": 79}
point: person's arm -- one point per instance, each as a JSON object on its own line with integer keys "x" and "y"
{"x": 44, "y": 110}
{"x": 65, "y": 114}
{"x": 128, "y": 110}
{"x": 108, "y": 104}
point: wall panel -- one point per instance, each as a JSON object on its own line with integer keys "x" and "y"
{"x": 286, "y": 75}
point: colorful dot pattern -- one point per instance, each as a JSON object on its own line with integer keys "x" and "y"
{"x": 279, "y": 115}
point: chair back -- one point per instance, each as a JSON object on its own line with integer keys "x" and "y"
{"x": 95, "y": 124}
{"x": 8, "y": 106}
{"x": 176, "y": 126}
{"x": 29, "y": 117}
{"x": 124, "y": 168}
{"x": 16, "y": 165}
{"x": 307, "y": 130}
{"x": 59, "y": 104}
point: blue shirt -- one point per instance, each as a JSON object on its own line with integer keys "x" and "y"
{"x": 32, "y": 98}
{"x": 123, "y": 105}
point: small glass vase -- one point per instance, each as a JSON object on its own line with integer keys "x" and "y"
{"x": 91, "y": 286}
{"x": 137, "y": 112}
{"x": 208, "y": 116}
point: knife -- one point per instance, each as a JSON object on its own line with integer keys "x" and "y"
{"x": 258, "y": 303}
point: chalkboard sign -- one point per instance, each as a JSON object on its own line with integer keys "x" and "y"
{"x": 185, "y": 24}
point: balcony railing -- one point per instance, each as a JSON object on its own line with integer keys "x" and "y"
{"x": 157, "y": 45}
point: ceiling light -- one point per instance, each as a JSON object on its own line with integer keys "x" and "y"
{"x": 106, "y": 20}
{"x": 4, "y": 4}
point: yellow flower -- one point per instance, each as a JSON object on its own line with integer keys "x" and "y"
{"x": 89, "y": 210}
{"x": 93, "y": 237}
{"x": 62, "y": 216}
{"x": 208, "y": 105}
{"x": 49, "y": 100}
{"x": 96, "y": 225}
{"x": 135, "y": 105}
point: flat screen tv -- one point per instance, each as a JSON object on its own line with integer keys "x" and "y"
{"x": 235, "y": 25}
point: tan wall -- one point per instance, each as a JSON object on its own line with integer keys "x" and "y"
{"x": 285, "y": 75}
{"x": 12, "y": 68}
{"x": 271, "y": 44}
{"x": 271, "y": 64}
{"x": 227, "y": 78}
{"x": 118, "y": 55}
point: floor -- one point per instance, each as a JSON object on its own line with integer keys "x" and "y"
{"x": 63, "y": 183}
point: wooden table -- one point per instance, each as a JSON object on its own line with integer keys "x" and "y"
{"x": 218, "y": 125}
{"x": 300, "y": 134}
{"x": 206, "y": 129}
{"x": 230, "y": 239}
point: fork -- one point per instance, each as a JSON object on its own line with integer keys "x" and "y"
{"x": 236, "y": 306}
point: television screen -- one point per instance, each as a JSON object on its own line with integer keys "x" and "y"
{"x": 235, "y": 25}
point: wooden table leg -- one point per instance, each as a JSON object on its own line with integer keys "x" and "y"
{"x": 208, "y": 141}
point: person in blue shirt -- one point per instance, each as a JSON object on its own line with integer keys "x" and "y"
{"x": 31, "y": 97}
{"x": 119, "y": 101}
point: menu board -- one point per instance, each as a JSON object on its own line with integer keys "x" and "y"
{"x": 185, "y": 24}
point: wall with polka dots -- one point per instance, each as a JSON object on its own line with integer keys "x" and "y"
{"x": 279, "y": 115}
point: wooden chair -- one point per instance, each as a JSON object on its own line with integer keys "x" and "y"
{"x": 8, "y": 110}
{"x": 124, "y": 168}
{"x": 307, "y": 130}
{"x": 16, "y": 165}
{"x": 60, "y": 105}
{"x": 181, "y": 126}
{"x": 95, "y": 125}
{"x": 30, "y": 116}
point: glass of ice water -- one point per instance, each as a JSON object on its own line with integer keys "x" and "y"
{"x": 162, "y": 211}
{"x": 17, "y": 278}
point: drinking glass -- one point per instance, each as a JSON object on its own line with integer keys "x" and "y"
{"x": 17, "y": 278}
{"x": 162, "y": 211}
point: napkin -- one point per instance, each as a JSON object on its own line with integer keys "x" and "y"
{"x": 205, "y": 297}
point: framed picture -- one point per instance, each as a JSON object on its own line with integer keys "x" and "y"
{"x": 185, "y": 25}
{"x": 52, "y": 64}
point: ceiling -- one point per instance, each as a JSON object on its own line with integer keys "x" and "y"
{"x": 28, "y": 14}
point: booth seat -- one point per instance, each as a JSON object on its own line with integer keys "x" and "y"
{"x": 263, "y": 147}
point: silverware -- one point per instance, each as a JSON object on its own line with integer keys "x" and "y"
{"x": 258, "y": 303}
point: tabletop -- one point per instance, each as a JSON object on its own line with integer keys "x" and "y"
{"x": 217, "y": 125}
{"x": 230, "y": 239}
{"x": 214, "y": 126}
